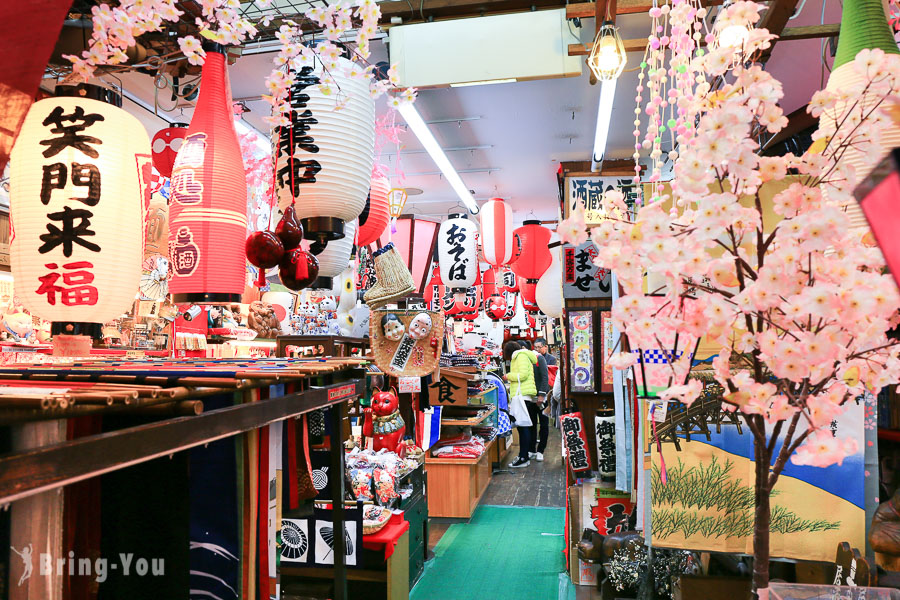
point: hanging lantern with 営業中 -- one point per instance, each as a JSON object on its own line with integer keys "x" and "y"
{"x": 324, "y": 159}
{"x": 458, "y": 253}
{"x": 77, "y": 177}
{"x": 208, "y": 205}
{"x": 496, "y": 232}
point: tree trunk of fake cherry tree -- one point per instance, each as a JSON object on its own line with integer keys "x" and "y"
{"x": 762, "y": 517}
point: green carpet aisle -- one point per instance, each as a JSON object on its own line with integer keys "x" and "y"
{"x": 501, "y": 554}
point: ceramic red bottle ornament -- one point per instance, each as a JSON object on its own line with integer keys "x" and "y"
{"x": 298, "y": 269}
{"x": 264, "y": 251}
{"x": 289, "y": 229}
{"x": 384, "y": 424}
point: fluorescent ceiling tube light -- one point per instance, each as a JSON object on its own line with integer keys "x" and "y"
{"x": 485, "y": 82}
{"x": 604, "y": 113}
{"x": 415, "y": 122}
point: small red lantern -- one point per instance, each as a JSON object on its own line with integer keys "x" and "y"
{"x": 511, "y": 300}
{"x": 534, "y": 256}
{"x": 434, "y": 290}
{"x": 468, "y": 305}
{"x": 495, "y": 307}
{"x": 528, "y": 289}
{"x": 166, "y": 144}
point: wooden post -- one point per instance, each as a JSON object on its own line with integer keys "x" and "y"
{"x": 36, "y": 525}
{"x": 337, "y": 502}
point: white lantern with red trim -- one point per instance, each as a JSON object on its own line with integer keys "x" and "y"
{"x": 458, "y": 253}
{"x": 548, "y": 292}
{"x": 496, "y": 232}
{"x": 79, "y": 182}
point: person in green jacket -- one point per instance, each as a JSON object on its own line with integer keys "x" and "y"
{"x": 521, "y": 382}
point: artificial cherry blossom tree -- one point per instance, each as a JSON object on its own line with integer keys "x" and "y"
{"x": 799, "y": 305}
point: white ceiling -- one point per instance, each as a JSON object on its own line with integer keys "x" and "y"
{"x": 528, "y": 127}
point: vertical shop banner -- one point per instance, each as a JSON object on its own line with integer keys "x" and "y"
{"x": 609, "y": 345}
{"x": 581, "y": 357}
{"x": 605, "y": 433}
{"x": 708, "y": 502}
{"x": 581, "y": 277}
{"x": 575, "y": 441}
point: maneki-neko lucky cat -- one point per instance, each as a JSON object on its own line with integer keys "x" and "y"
{"x": 384, "y": 424}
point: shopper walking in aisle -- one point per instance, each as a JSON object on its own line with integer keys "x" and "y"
{"x": 541, "y": 346}
{"x": 540, "y": 420}
{"x": 521, "y": 383}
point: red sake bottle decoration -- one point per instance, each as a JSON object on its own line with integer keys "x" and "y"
{"x": 209, "y": 197}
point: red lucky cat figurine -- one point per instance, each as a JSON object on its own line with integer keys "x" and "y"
{"x": 386, "y": 427}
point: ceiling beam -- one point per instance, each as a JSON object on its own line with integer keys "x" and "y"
{"x": 810, "y": 32}
{"x": 611, "y": 168}
{"x": 586, "y": 10}
{"x": 775, "y": 20}
{"x": 428, "y": 10}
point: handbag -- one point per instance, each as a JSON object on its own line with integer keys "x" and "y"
{"x": 518, "y": 410}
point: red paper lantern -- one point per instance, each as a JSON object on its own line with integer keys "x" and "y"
{"x": 527, "y": 288}
{"x": 469, "y": 304}
{"x": 533, "y": 257}
{"x": 166, "y": 144}
{"x": 434, "y": 290}
{"x": 208, "y": 213}
{"x": 375, "y": 216}
{"x": 508, "y": 282}
{"x": 511, "y": 300}
{"x": 495, "y": 307}
{"x": 496, "y": 232}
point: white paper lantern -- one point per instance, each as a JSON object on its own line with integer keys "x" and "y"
{"x": 458, "y": 253}
{"x": 864, "y": 25}
{"x": 333, "y": 260}
{"x": 548, "y": 292}
{"x": 77, "y": 210}
{"x": 496, "y": 232}
{"x": 341, "y": 126}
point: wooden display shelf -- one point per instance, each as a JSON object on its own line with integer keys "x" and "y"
{"x": 395, "y": 575}
{"x": 469, "y": 422}
{"x": 456, "y": 485}
{"x": 49, "y": 467}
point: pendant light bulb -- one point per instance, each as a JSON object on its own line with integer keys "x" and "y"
{"x": 733, "y": 36}
{"x": 607, "y": 58}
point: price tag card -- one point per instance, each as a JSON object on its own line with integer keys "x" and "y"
{"x": 410, "y": 385}
{"x": 657, "y": 410}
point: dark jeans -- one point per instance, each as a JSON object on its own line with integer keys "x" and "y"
{"x": 526, "y": 434}
{"x": 538, "y": 418}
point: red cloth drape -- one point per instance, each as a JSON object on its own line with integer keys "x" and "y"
{"x": 26, "y": 47}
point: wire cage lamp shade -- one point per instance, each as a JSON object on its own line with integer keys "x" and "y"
{"x": 607, "y": 58}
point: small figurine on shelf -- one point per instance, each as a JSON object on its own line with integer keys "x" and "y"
{"x": 19, "y": 325}
{"x": 386, "y": 426}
